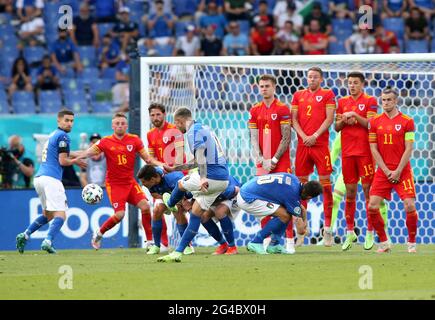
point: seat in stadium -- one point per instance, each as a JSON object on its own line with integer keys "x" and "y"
{"x": 103, "y": 28}
{"x": 109, "y": 73}
{"x": 87, "y": 56}
{"x": 337, "y": 48}
{"x": 76, "y": 100}
{"x": 4, "y": 105}
{"x": 165, "y": 50}
{"x": 101, "y": 90}
{"x": 184, "y": 7}
{"x": 417, "y": 46}
{"x": 72, "y": 84}
{"x": 89, "y": 75}
{"x": 432, "y": 45}
{"x": 50, "y": 101}
{"x": 142, "y": 50}
{"x": 101, "y": 107}
{"x": 23, "y": 102}
{"x": 395, "y": 24}
{"x": 180, "y": 27}
{"x": 34, "y": 55}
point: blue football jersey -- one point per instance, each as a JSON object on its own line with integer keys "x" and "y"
{"x": 229, "y": 192}
{"x": 168, "y": 183}
{"x": 58, "y": 142}
{"x": 199, "y": 136}
{"x": 280, "y": 188}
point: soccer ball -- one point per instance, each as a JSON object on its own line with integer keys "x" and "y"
{"x": 92, "y": 193}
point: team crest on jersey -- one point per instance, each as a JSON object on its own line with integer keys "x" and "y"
{"x": 319, "y": 98}
{"x": 361, "y": 106}
{"x": 115, "y": 205}
{"x": 297, "y": 211}
{"x": 129, "y": 147}
{"x": 398, "y": 127}
{"x": 270, "y": 205}
{"x": 274, "y": 116}
{"x": 165, "y": 140}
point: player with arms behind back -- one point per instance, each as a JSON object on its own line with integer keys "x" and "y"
{"x": 270, "y": 131}
{"x": 48, "y": 182}
{"x": 312, "y": 115}
{"x": 353, "y": 114}
{"x": 391, "y": 137}
{"x": 120, "y": 150}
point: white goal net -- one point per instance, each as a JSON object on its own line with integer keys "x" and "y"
{"x": 221, "y": 90}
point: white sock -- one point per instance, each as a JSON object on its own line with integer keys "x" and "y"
{"x": 290, "y": 240}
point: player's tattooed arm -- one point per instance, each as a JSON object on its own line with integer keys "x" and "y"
{"x": 285, "y": 142}
{"x": 181, "y": 167}
{"x": 255, "y": 146}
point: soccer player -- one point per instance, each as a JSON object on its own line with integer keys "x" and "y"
{"x": 270, "y": 131}
{"x": 120, "y": 150}
{"x": 163, "y": 147}
{"x": 391, "y": 138}
{"x": 159, "y": 183}
{"x": 48, "y": 182}
{"x": 340, "y": 191}
{"x": 312, "y": 115}
{"x": 279, "y": 195}
{"x": 352, "y": 117}
{"x": 206, "y": 184}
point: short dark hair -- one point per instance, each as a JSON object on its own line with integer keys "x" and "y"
{"x": 119, "y": 115}
{"x": 183, "y": 112}
{"x": 267, "y": 77}
{"x": 317, "y": 69}
{"x": 356, "y": 74}
{"x": 156, "y": 105}
{"x": 147, "y": 172}
{"x": 63, "y": 112}
{"x": 389, "y": 90}
{"x": 311, "y": 189}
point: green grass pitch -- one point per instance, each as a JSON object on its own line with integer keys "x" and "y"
{"x": 312, "y": 273}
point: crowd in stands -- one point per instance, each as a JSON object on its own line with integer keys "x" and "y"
{"x": 86, "y": 66}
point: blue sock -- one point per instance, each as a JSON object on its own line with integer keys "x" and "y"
{"x": 181, "y": 228}
{"x": 176, "y": 196}
{"x": 36, "y": 224}
{"x": 190, "y": 232}
{"x": 276, "y": 237}
{"x": 273, "y": 226}
{"x": 214, "y": 231}
{"x": 55, "y": 228}
{"x": 157, "y": 231}
{"x": 228, "y": 230}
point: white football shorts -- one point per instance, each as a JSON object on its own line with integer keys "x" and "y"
{"x": 258, "y": 208}
{"x": 51, "y": 193}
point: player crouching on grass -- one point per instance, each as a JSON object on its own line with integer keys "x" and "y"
{"x": 278, "y": 195}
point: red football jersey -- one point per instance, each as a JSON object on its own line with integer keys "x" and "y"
{"x": 389, "y": 134}
{"x": 354, "y": 140}
{"x": 268, "y": 121}
{"x": 162, "y": 143}
{"x": 120, "y": 157}
{"x": 311, "y": 108}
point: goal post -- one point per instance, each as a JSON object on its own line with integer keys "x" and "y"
{"x": 221, "y": 90}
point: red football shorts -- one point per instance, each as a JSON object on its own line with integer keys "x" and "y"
{"x": 120, "y": 194}
{"x": 355, "y": 167}
{"x": 382, "y": 187}
{"x": 307, "y": 157}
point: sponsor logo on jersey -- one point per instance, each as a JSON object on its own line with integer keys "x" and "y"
{"x": 319, "y": 98}
{"x": 165, "y": 140}
{"x": 129, "y": 147}
{"x": 361, "y": 106}
{"x": 274, "y": 116}
{"x": 397, "y": 127}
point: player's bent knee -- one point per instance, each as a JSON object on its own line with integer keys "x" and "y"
{"x": 409, "y": 205}
{"x": 180, "y": 186}
{"x": 120, "y": 214}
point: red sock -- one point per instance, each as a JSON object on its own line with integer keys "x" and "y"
{"x": 109, "y": 224}
{"x": 411, "y": 224}
{"x": 164, "y": 238}
{"x": 378, "y": 224}
{"x": 369, "y": 220}
{"x": 327, "y": 201}
{"x": 264, "y": 221}
{"x": 146, "y": 224}
{"x": 349, "y": 212}
{"x": 289, "y": 233}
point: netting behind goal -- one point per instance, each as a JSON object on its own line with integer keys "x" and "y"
{"x": 221, "y": 96}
